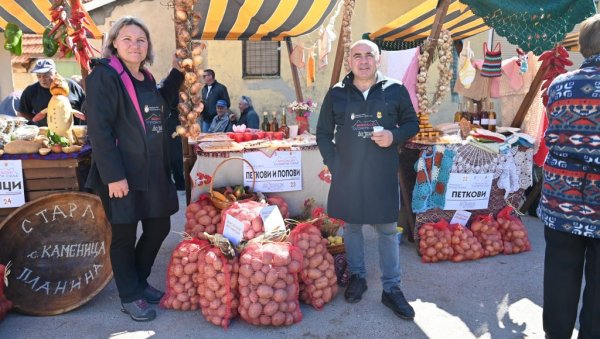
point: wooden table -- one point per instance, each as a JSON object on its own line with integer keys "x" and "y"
{"x": 44, "y": 175}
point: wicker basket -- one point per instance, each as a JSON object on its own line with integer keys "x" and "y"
{"x": 220, "y": 204}
{"x": 336, "y": 249}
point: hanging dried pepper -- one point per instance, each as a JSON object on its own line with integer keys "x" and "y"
{"x": 69, "y": 32}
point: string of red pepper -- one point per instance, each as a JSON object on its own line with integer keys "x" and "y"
{"x": 554, "y": 62}
{"x": 70, "y": 31}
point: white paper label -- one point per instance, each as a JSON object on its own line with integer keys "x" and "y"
{"x": 233, "y": 229}
{"x": 272, "y": 219}
{"x": 460, "y": 217}
{"x": 279, "y": 172}
{"x": 12, "y": 190}
{"x": 468, "y": 191}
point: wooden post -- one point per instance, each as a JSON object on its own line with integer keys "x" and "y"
{"x": 529, "y": 97}
{"x": 339, "y": 59}
{"x": 436, "y": 28}
{"x": 295, "y": 77}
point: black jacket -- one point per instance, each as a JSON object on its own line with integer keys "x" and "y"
{"x": 118, "y": 140}
{"x": 364, "y": 187}
{"x": 217, "y": 92}
{"x": 249, "y": 117}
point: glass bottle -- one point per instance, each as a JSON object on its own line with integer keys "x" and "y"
{"x": 265, "y": 124}
{"x": 492, "y": 118}
{"x": 475, "y": 116}
{"x": 284, "y": 128}
{"x": 467, "y": 111}
{"x": 485, "y": 118}
{"x": 274, "y": 123}
{"x": 459, "y": 113}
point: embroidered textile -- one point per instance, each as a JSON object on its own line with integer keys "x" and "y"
{"x": 433, "y": 171}
{"x": 533, "y": 25}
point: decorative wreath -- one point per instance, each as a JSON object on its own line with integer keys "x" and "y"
{"x": 445, "y": 57}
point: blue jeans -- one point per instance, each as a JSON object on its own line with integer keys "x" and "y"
{"x": 205, "y": 126}
{"x": 389, "y": 252}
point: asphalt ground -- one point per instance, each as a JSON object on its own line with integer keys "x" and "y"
{"x": 497, "y": 297}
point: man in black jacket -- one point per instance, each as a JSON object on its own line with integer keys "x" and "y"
{"x": 211, "y": 93}
{"x": 368, "y": 115}
{"x": 248, "y": 115}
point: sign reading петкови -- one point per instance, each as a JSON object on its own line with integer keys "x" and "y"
{"x": 12, "y": 190}
{"x": 280, "y": 172}
{"x": 468, "y": 191}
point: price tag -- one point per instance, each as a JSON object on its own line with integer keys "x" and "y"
{"x": 272, "y": 218}
{"x": 461, "y": 217}
{"x": 233, "y": 229}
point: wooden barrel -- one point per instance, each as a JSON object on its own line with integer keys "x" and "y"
{"x": 59, "y": 246}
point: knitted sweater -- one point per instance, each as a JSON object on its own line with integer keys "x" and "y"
{"x": 570, "y": 199}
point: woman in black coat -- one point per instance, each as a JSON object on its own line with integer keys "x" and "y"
{"x": 130, "y": 163}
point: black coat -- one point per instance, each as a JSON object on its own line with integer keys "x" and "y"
{"x": 217, "y": 92}
{"x": 118, "y": 139}
{"x": 364, "y": 187}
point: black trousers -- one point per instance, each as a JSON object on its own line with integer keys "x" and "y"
{"x": 131, "y": 262}
{"x": 568, "y": 256}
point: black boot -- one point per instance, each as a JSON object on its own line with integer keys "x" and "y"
{"x": 138, "y": 310}
{"x": 356, "y": 287}
{"x": 396, "y": 301}
{"x": 152, "y": 295}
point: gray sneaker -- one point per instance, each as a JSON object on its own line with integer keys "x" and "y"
{"x": 138, "y": 310}
{"x": 152, "y": 295}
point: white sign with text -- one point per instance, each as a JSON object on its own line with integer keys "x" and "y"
{"x": 233, "y": 229}
{"x": 272, "y": 218}
{"x": 460, "y": 217}
{"x": 468, "y": 191}
{"x": 279, "y": 172}
{"x": 12, "y": 188}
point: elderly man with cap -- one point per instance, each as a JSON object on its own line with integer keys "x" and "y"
{"x": 35, "y": 98}
{"x": 221, "y": 121}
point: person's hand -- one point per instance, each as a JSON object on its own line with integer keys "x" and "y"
{"x": 41, "y": 115}
{"x": 383, "y": 138}
{"x": 232, "y": 117}
{"x": 118, "y": 189}
{"x": 79, "y": 115}
{"x": 176, "y": 63}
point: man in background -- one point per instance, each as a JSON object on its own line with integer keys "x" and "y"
{"x": 35, "y": 98}
{"x": 220, "y": 122}
{"x": 212, "y": 92}
{"x": 248, "y": 115}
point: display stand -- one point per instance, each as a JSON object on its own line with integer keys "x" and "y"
{"x": 54, "y": 173}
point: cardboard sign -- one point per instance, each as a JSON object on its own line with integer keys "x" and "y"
{"x": 280, "y": 172}
{"x": 272, "y": 219}
{"x": 461, "y": 217}
{"x": 233, "y": 230}
{"x": 468, "y": 191}
{"x": 12, "y": 189}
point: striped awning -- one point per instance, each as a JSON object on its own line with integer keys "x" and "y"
{"x": 416, "y": 24}
{"x": 260, "y": 19}
{"x": 32, "y": 16}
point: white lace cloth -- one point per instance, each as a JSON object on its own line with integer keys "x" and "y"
{"x": 513, "y": 170}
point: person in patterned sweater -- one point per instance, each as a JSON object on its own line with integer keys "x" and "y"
{"x": 570, "y": 201}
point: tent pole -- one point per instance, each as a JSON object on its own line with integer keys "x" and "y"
{"x": 529, "y": 97}
{"x": 339, "y": 59}
{"x": 295, "y": 77}
{"x": 436, "y": 28}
